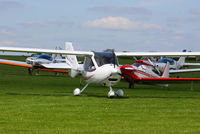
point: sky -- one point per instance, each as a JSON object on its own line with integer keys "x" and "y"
{"x": 123, "y": 25}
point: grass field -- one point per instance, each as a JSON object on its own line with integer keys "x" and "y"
{"x": 45, "y": 104}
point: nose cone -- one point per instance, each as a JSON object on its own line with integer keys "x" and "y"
{"x": 115, "y": 70}
{"x": 112, "y": 76}
{"x": 105, "y": 72}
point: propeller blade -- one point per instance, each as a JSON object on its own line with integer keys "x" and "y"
{"x": 154, "y": 66}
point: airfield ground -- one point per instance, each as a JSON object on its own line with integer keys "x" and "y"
{"x": 45, "y": 104}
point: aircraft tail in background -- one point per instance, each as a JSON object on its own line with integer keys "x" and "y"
{"x": 165, "y": 73}
{"x": 72, "y": 60}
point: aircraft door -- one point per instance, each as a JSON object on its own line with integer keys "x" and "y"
{"x": 89, "y": 65}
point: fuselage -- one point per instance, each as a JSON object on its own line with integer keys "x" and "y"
{"x": 37, "y": 60}
{"x": 102, "y": 68}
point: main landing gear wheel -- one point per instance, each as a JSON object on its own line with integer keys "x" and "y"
{"x": 77, "y": 91}
{"x": 120, "y": 93}
{"x": 112, "y": 93}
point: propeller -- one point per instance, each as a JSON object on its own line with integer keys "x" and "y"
{"x": 154, "y": 66}
{"x": 114, "y": 60}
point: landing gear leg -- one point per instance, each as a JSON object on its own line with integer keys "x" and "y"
{"x": 30, "y": 71}
{"x": 77, "y": 91}
{"x": 131, "y": 85}
{"x": 37, "y": 72}
{"x": 111, "y": 93}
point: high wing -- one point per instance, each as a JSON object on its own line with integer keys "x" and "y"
{"x": 15, "y": 63}
{"x": 184, "y": 70}
{"x": 157, "y": 53}
{"x": 86, "y": 53}
{"x": 49, "y": 51}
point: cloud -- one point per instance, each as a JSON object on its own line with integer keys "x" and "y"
{"x": 179, "y": 32}
{"x": 6, "y": 32}
{"x": 34, "y": 24}
{"x": 122, "y": 10}
{"x": 8, "y": 42}
{"x": 46, "y": 23}
{"x": 121, "y": 23}
{"x": 178, "y": 37}
{"x": 195, "y": 11}
{"x": 5, "y": 5}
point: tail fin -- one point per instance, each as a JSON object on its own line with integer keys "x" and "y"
{"x": 57, "y": 57}
{"x": 181, "y": 60}
{"x": 166, "y": 71}
{"x": 71, "y": 60}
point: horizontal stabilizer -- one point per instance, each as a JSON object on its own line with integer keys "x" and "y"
{"x": 184, "y": 70}
{"x": 57, "y": 65}
{"x": 191, "y": 64}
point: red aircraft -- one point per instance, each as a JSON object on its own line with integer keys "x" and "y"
{"x": 139, "y": 73}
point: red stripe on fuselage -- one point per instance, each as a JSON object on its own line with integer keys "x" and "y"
{"x": 87, "y": 78}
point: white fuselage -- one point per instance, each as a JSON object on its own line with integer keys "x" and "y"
{"x": 107, "y": 75}
{"x": 174, "y": 66}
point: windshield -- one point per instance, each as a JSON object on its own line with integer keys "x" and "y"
{"x": 36, "y": 55}
{"x": 45, "y": 56}
{"x": 136, "y": 64}
{"x": 103, "y": 58}
{"x": 164, "y": 60}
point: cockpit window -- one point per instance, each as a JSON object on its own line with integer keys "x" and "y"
{"x": 164, "y": 60}
{"x": 103, "y": 58}
{"x": 136, "y": 64}
{"x": 89, "y": 65}
{"x": 36, "y": 55}
{"x": 45, "y": 56}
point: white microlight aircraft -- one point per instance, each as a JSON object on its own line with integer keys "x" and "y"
{"x": 99, "y": 67}
{"x": 40, "y": 61}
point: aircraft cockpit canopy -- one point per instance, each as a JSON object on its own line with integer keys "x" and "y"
{"x": 164, "y": 60}
{"x": 136, "y": 64}
{"x": 103, "y": 58}
{"x": 36, "y": 55}
{"x": 45, "y": 56}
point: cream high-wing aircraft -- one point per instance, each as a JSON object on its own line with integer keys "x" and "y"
{"x": 99, "y": 67}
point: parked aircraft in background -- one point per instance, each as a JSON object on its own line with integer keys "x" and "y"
{"x": 175, "y": 66}
{"x": 39, "y": 61}
{"x": 99, "y": 67}
{"x": 143, "y": 74}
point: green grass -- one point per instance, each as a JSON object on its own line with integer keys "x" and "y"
{"x": 45, "y": 104}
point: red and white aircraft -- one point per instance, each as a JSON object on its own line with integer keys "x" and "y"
{"x": 143, "y": 74}
{"x": 99, "y": 67}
